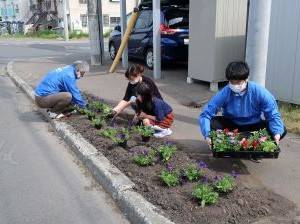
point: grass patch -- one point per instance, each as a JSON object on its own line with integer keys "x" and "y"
{"x": 291, "y": 116}
{"x": 46, "y": 34}
{"x": 78, "y": 35}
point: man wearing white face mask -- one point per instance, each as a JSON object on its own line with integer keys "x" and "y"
{"x": 134, "y": 75}
{"x": 58, "y": 89}
{"x": 245, "y": 105}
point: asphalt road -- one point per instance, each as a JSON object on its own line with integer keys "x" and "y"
{"x": 41, "y": 181}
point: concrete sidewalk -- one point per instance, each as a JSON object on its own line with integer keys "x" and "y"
{"x": 282, "y": 175}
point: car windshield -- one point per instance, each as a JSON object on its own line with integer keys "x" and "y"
{"x": 177, "y": 18}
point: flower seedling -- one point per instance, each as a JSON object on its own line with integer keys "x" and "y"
{"x": 192, "y": 173}
{"x": 167, "y": 151}
{"x": 269, "y": 146}
{"x": 205, "y": 195}
{"x": 109, "y": 133}
{"x": 170, "y": 176}
{"x": 90, "y": 114}
{"x": 95, "y": 106}
{"x": 224, "y": 184}
{"x": 122, "y": 137}
{"x": 98, "y": 122}
{"x": 145, "y": 158}
{"x": 226, "y": 141}
{"x": 145, "y": 131}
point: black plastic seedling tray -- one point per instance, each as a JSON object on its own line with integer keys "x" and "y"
{"x": 247, "y": 154}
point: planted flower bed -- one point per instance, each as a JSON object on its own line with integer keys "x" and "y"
{"x": 185, "y": 189}
{"x": 258, "y": 144}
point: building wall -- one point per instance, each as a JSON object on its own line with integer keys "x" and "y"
{"x": 217, "y": 36}
{"x": 283, "y": 68}
{"x": 14, "y": 10}
{"x": 77, "y": 10}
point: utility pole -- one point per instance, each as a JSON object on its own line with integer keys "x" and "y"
{"x": 66, "y": 26}
{"x": 156, "y": 40}
{"x": 123, "y": 29}
{"x": 258, "y": 39}
{"x": 95, "y": 31}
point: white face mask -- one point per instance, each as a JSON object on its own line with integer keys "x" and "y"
{"x": 238, "y": 88}
{"x": 133, "y": 82}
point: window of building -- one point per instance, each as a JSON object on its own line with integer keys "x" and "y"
{"x": 83, "y": 1}
{"x": 105, "y": 20}
{"x": 83, "y": 18}
{"x": 114, "y": 21}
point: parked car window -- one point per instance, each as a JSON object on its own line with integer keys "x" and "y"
{"x": 144, "y": 20}
{"x": 177, "y": 18}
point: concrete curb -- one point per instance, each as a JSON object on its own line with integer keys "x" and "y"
{"x": 137, "y": 209}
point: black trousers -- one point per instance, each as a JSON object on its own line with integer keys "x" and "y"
{"x": 220, "y": 122}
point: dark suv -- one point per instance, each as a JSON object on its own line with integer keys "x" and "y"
{"x": 174, "y": 36}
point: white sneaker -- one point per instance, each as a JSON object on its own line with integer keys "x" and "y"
{"x": 164, "y": 133}
{"x": 157, "y": 128}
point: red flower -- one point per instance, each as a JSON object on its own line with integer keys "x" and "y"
{"x": 245, "y": 143}
{"x": 255, "y": 143}
{"x": 226, "y": 130}
{"x": 236, "y": 131}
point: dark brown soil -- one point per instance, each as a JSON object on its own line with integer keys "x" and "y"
{"x": 243, "y": 205}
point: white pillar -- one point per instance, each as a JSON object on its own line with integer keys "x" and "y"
{"x": 66, "y": 25}
{"x": 156, "y": 40}
{"x": 123, "y": 29}
{"x": 258, "y": 38}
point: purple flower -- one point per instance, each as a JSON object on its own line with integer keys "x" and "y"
{"x": 202, "y": 165}
{"x": 170, "y": 168}
{"x": 145, "y": 152}
{"x": 130, "y": 124}
{"x": 234, "y": 174}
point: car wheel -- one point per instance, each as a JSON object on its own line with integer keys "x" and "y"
{"x": 112, "y": 51}
{"x": 149, "y": 58}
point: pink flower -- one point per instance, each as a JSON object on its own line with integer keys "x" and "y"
{"x": 242, "y": 141}
{"x": 230, "y": 134}
{"x": 263, "y": 139}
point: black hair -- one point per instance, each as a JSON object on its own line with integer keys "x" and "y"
{"x": 237, "y": 70}
{"x": 146, "y": 93}
{"x": 134, "y": 70}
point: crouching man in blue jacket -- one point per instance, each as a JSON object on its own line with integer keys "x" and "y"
{"x": 245, "y": 106}
{"x": 58, "y": 89}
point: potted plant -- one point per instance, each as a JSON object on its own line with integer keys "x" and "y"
{"x": 145, "y": 132}
{"x": 122, "y": 137}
